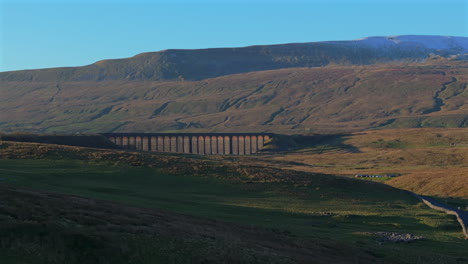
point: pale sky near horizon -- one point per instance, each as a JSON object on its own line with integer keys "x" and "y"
{"x": 54, "y": 33}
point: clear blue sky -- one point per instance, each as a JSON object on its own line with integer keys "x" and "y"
{"x": 42, "y": 34}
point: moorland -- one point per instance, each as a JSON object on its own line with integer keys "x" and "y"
{"x": 74, "y": 204}
{"x": 377, "y": 106}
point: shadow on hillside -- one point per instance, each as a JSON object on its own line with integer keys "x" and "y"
{"x": 90, "y": 141}
{"x": 311, "y": 144}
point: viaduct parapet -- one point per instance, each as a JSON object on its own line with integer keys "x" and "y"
{"x": 191, "y": 143}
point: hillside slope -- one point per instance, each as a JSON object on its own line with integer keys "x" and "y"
{"x": 431, "y": 161}
{"x": 297, "y": 100}
{"x": 58, "y": 228}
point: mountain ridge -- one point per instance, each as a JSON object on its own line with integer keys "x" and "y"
{"x": 199, "y": 64}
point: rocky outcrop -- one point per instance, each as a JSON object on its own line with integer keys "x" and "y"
{"x": 396, "y": 237}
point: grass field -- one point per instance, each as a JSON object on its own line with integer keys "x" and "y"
{"x": 324, "y": 210}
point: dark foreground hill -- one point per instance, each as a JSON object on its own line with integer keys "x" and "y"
{"x": 41, "y": 227}
{"x": 405, "y": 81}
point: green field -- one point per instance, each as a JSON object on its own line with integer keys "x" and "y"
{"x": 335, "y": 211}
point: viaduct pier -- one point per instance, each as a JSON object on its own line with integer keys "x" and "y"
{"x": 192, "y": 143}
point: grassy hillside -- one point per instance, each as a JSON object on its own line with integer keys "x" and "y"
{"x": 432, "y": 161}
{"x": 299, "y": 100}
{"x": 313, "y": 216}
{"x": 41, "y": 227}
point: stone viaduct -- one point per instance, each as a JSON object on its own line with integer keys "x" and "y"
{"x": 193, "y": 143}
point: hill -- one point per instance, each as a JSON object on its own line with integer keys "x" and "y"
{"x": 60, "y": 228}
{"x": 323, "y": 87}
{"x": 299, "y": 100}
{"x": 208, "y": 63}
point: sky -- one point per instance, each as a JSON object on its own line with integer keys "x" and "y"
{"x": 56, "y": 33}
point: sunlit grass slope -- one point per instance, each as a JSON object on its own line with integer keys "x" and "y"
{"x": 432, "y": 161}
